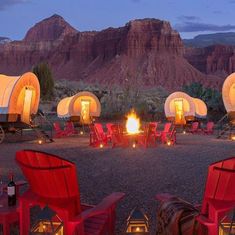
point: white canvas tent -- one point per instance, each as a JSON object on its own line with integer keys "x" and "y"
{"x": 19, "y": 97}
{"x": 84, "y": 105}
{"x": 228, "y": 94}
{"x": 180, "y": 108}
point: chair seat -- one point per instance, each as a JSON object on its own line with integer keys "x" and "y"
{"x": 95, "y": 225}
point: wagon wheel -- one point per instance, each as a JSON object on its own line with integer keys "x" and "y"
{"x": 2, "y": 134}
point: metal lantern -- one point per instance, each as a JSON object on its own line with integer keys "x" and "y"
{"x": 137, "y": 223}
{"x": 47, "y": 223}
{"x": 227, "y": 224}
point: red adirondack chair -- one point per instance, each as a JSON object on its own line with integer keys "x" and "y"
{"x": 97, "y": 135}
{"x": 209, "y": 128}
{"x": 171, "y": 136}
{"x": 58, "y": 131}
{"x": 109, "y": 131}
{"x": 219, "y": 195}
{"x": 53, "y": 182}
{"x": 117, "y": 137}
{"x": 195, "y": 128}
{"x": 70, "y": 129}
{"x": 149, "y": 136}
{"x": 163, "y": 134}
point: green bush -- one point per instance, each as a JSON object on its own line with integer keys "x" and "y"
{"x": 44, "y": 74}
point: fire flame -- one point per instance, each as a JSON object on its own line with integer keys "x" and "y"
{"x": 133, "y": 123}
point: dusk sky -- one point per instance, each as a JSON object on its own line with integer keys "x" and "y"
{"x": 189, "y": 17}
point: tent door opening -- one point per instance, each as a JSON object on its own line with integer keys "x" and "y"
{"x": 25, "y": 116}
{"x": 85, "y": 112}
{"x": 179, "y": 112}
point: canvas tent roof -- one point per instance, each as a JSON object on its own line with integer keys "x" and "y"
{"x": 200, "y": 108}
{"x": 193, "y": 107}
{"x": 228, "y": 93}
{"x": 71, "y": 106}
{"x": 11, "y": 90}
{"x": 188, "y": 104}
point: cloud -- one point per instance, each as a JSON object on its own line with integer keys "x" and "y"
{"x": 217, "y": 12}
{"x": 189, "y": 26}
{"x": 7, "y": 3}
{"x": 188, "y": 18}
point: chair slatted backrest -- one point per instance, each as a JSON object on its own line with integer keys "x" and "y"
{"x": 99, "y": 130}
{"x": 69, "y": 126}
{"x": 167, "y": 127}
{"x": 220, "y": 183}
{"x": 117, "y": 133}
{"x": 210, "y": 126}
{"x": 49, "y": 176}
{"x": 195, "y": 126}
{"x": 109, "y": 125}
{"x": 57, "y": 127}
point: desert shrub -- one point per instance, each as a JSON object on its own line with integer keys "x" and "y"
{"x": 212, "y": 97}
{"x": 44, "y": 74}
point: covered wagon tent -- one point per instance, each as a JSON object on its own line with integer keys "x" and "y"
{"x": 179, "y": 107}
{"x": 200, "y": 108}
{"x": 84, "y": 105}
{"x": 19, "y": 97}
{"x": 228, "y": 93}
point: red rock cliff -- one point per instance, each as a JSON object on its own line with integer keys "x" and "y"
{"x": 144, "y": 52}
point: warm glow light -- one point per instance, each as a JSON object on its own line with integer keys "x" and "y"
{"x": 168, "y": 143}
{"x": 81, "y": 132}
{"x": 133, "y": 123}
{"x": 40, "y": 141}
{"x": 133, "y": 145}
{"x": 101, "y": 145}
{"x": 137, "y": 229}
{"x": 233, "y": 137}
{"x": 184, "y": 132}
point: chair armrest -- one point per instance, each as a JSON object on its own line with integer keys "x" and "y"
{"x": 102, "y": 207}
{"x": 18, "y": 183}
{"x": 204, "y": 220}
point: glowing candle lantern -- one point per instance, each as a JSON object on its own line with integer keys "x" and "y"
{"x": 137, "y": 223}
{"x": 227, "y": 224}
{"x": 233, "y": 137}
{"x": 101, "y": 145}
{"x": 47, "y": 223}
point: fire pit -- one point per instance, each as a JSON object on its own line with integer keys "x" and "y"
{"x": 132, "y": 123}
{"x": 133, "y": 127}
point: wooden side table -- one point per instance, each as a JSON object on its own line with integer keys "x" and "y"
{"x": 9, "y": 214}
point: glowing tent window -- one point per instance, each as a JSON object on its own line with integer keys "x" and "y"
{"x": 179, "y": 112}
{"x": 133, "y": 123}
{"x": 85, "y": 111}
{"x": 27, "y": 105}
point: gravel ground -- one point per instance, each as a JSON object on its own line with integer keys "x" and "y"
{"x": 140, "y": 173}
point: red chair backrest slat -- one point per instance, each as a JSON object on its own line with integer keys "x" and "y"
{"x": 209, "y": 126}
{"x": 109, "y": 125}
{"x": 167, "y": 127}
{"x": 57, "y": 126}
{"x": 195, "y": 125}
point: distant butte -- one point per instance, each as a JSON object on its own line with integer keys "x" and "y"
{"x": 143, "y": 53}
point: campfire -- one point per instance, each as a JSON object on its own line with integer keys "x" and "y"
{"x": 132, "y": 123}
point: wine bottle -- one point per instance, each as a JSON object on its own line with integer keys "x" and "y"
{"x": 11, "y": 192}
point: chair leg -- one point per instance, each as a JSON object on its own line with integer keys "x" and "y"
{"x": 6, "y": 228}
{"x": 24, "y": 218}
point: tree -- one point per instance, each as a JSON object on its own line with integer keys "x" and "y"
{"x": 212, "y": 97}
{"x": 44, "y": 74}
